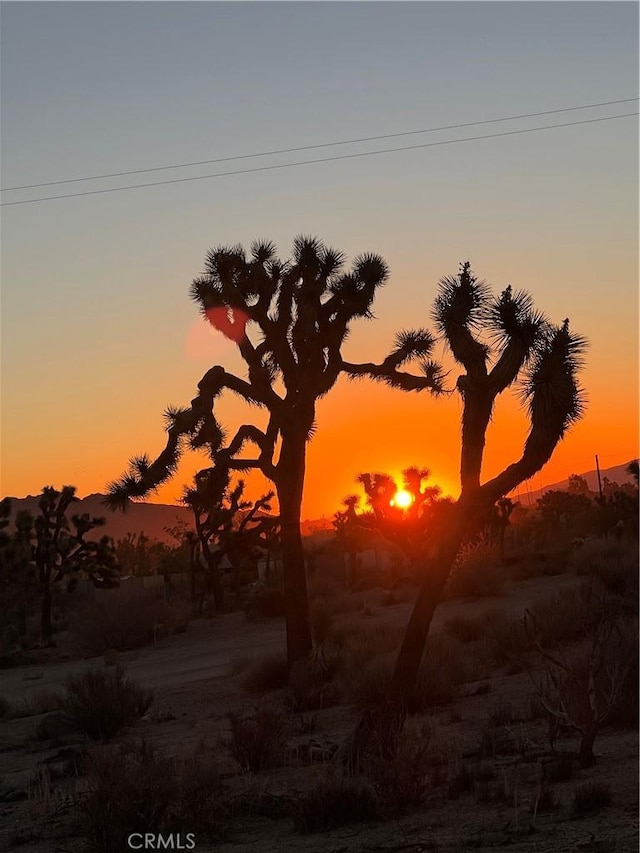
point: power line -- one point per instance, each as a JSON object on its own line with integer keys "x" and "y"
{"x": 318, "y": 160}
{"x": 311, "y": 147}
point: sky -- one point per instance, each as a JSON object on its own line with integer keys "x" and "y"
{"x": 98, "y": 332}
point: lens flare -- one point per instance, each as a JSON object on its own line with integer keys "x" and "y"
{"x": 232, "y": 322}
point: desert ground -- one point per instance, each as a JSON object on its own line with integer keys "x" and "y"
{"x": 220, "y": 667}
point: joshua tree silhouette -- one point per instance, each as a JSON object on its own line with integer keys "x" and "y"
{"x": 51, "y": 549}
{"x": 298, "y": 313}
{"x": 413, "y": 528}
{"x": 227, "y": 525}
{"x": 499, "y": 342}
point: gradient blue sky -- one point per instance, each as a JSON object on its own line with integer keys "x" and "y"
{"x": 98, "y": 332}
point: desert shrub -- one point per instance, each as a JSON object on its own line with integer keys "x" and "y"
{"x": 320, "y": 622}
{"x": 589, "y": 798}
{"x": 502, "y": 740}
{"x": 552, "y": 622}
{"x": 508, "y": 639}
{"x": 306, "y": 724}
{"x": 311, "y": 687}
{"x": 200, "y": 801}
{"x": 128, "y": 790}
{"x": 53, "y": 726}
{"x": 546, "y": 800}
{"x": 120, "y": 623}
{"x": 325, "y": 591}
{"x": 466, "y": 629}
{"x": 356, "y": 644}
{"x": 477, "y": 572}
{"x": 5, "y": 706}
{"x": 366, "y": 685}
{"x": 41, "y": 702}
{"x": 365, "y": 680}
{"x": 256, "y": 742}
{"x": 559, "y": 621}
{"x": 264, "y": 602}
{"x": 335, "y": 801}
{"x": 467, "y": 775}
{"x": 132, "y": 789}
{"x": 268, "y": 673}
{"x": 102, "y": 701}
{"x": 582, "y": 688}
{"x": 537, "y": 564}
{"x": 612, "y": 562}
{"x": 626, "y": 710}
{"x": 400, "y": 771}
{"x": 446, "y": 665}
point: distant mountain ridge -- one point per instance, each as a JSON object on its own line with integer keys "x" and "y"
{"x": 152, "y": 519}
{"x": 616, "y": 474}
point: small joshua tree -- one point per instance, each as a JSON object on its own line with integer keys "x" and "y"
{"x": 227, "y": 525}
{"x": 18, "y": 581}
{"x": 348, "y": 527}
{"x": 289, "y": 320}
{"x": 56, "y": 549}
{"x": 413, "y": 525}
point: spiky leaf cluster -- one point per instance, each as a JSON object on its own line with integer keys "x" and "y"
{"x": 289, "y": 320}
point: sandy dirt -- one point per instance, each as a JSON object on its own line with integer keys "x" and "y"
{"x": 194, "y": 694}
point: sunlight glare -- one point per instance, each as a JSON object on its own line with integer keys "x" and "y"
{"x": 402, "y": 499}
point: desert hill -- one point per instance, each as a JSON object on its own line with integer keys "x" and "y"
{"x": 616, "y": 474}
{"x": 152, "y": 519}
{"x": 147, "y": 518}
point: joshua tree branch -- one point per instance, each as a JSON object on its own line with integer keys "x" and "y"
{"x": 265, "y": 441}
{"x": 393, "y": 377}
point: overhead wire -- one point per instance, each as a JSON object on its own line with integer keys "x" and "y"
{"x": 317, "y": 160}
{"x": 316, "y": 146}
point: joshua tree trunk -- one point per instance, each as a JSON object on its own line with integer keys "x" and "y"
{"x": 386, "y": 721}
{"x": 192, "y": 573}
{"x": 46, "y": 628}
{"x": 214, "y": 579}
{"x": 289, "y": 485}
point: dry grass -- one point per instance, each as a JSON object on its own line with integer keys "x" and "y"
{"x": 364, "y": 678}
{"x": 478, "y": 572}
{"x": 256, "y": 742}
{"x": 41, "y": 702}
{"x": 131, "y": 789}
{"x": 614, "y": 563}
{"x": 100, "y": 702}
{"x": 334, "y": 801}
{"x": 311, "y": 687}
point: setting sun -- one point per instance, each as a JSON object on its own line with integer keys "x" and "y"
{"x": 402, "y": 499}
